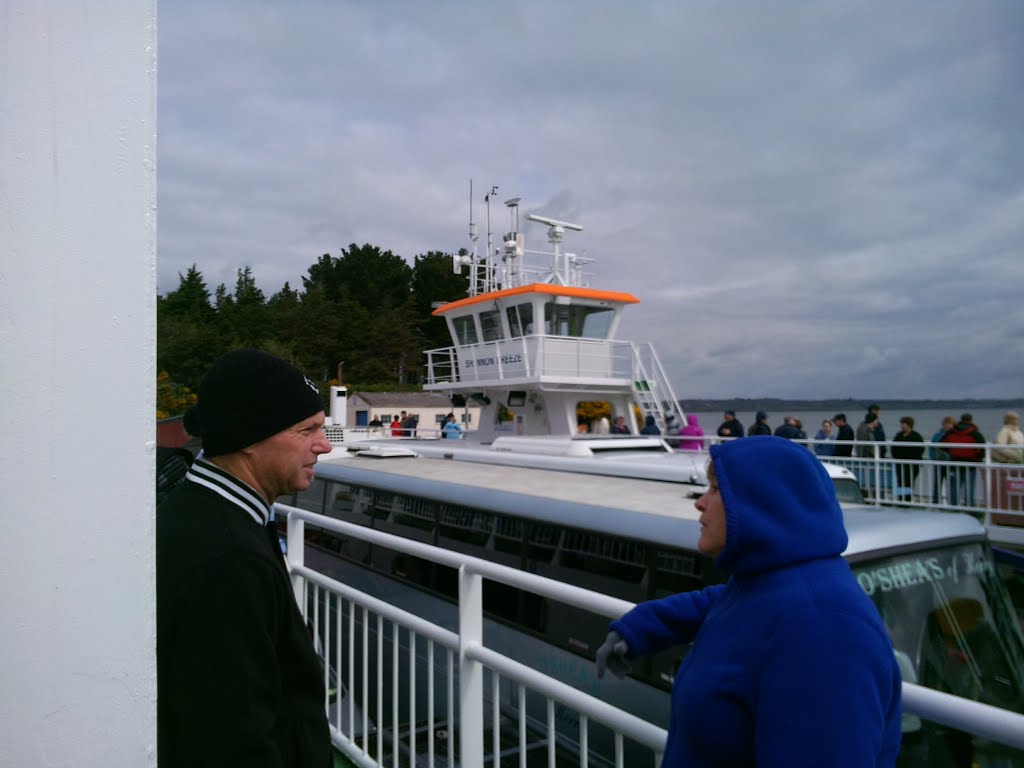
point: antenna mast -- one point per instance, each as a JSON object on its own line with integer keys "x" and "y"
{"x": 490, "y": 269}
{"x": 514, "y": 246}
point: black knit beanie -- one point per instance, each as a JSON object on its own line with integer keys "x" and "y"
{"x": 247, "y": 396}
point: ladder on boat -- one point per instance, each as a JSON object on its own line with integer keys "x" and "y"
{"x": 651, "y": 388}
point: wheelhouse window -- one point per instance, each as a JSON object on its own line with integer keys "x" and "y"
{"x": 465, "y": 329}
{"x": 578, "y": 321}
{"x": 520, "y": 320}
{"x": 490, "y": 324}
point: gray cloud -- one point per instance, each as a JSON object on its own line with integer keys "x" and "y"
{"x": 810, "y": 199}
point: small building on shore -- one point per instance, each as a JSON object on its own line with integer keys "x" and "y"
{"x": 429, "y": 407}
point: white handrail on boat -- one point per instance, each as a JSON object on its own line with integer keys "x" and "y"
{"x": 983, "y": 720}
{"x": 560, "y": 356}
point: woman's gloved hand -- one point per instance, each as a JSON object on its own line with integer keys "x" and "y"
{"x": 612, "y": 655}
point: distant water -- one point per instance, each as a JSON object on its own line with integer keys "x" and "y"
{"x": 926, "y": 421}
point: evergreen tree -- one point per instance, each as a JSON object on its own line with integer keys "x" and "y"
{"x": 186, "y": 339}
{"x": 433, "y": 281}
{"x": 373, "y": 278}
{"x": 243, "y": 316}
{"x": 367, "y": 308}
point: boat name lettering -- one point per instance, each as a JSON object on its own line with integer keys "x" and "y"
{"x": 480, "y": 362}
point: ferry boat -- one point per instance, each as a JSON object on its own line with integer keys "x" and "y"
{"x": 532, "y": 341}
{"x": 399, "y": 520}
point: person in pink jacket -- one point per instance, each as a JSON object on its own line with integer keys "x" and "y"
{"x": 694, "y": 433}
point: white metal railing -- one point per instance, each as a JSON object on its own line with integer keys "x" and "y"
{"x": 474, "y": 657}
{"x": 653, "y": 389}
{"x": 528, "y": 357}
{"x": 478, "y": 671}
{"x": 992, "y": 490}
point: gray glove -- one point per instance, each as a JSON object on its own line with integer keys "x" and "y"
{"x": 611, "y": 655}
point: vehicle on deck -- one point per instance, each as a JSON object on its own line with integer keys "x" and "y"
{"x": 931, "y": 575}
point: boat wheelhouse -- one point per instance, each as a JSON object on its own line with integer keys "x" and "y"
{"x": 533, "y": 341}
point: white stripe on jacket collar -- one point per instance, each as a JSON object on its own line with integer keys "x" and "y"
{"x": 242, "y": 495}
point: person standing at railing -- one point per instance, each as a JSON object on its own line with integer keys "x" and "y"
{"x": 650, "y": 427}
{"x": 866, "y": 450}
{"x": 907, "y": 446}
{"x": 1011, "y": 437}
{"x": 879, "y": 429}
{"x": 824, "y": 445}
{"x": 760, "y": 425}
{"x": 451, "y": 428}
{"x": 1010, "y": 451}
{"x": 619, "y": 426}
{"x": 672, "y": 431}
{"x": 844, "y": 437}
{"x": 692, "y": 435}
{"x": 790, "y": 663}
{"x": 396, "y": 425}
{"x": 412, "y": 421}
{"x": 731, "y": 426}
{"x": 239, "y": 680}
{"x": 788, "y": 429}
{"x": 939, "y": 454}
{"x": 962, "y": 442}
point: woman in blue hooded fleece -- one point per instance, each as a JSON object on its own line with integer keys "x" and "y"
{"x": 791, "y": 664}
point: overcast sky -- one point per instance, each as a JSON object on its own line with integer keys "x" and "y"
{"x": 810, "y": 199}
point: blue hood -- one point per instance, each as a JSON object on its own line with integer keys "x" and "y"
{"x": 780, "y": 505}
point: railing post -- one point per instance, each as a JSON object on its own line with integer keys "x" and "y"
{"x": 987, "y": 478}
{"x": 471, "y": 673}
{"x": 295, "y": 536}
{"x": 877, "y": 472}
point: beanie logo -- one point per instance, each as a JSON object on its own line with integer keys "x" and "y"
{"x": 311, "y": 384}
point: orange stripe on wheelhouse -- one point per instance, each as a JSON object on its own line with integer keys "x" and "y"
{"x": 551, "y": 290}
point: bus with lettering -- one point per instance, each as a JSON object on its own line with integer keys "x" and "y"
{"x": 932, "y": 576}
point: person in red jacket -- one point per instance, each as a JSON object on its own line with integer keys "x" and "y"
{"x": 963, "y": 442}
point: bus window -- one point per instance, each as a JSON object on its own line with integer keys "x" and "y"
{"x": 678, "y": 571}
{"x": 463, "y": 524}
{"x": 608, "y": 564}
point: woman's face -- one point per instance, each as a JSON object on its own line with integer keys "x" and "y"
{"x": 712, "y": 519}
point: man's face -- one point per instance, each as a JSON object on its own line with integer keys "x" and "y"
{"x": 729, "y": 417}
{"x": 283, "y": 463}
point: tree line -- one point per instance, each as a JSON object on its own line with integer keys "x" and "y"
{"x": 367, "y": 308}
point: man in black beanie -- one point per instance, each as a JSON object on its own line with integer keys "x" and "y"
{"x": 238, "y": 680}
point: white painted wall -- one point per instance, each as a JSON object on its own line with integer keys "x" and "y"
{"x": 77, "y": 357}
